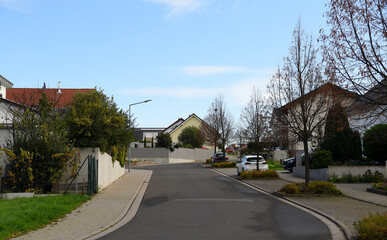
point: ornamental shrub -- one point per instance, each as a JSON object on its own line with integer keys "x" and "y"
{"x": 209, "y": 161}
{"x": 375, "y": 143}
{"x": 372, "y": 227}
{"x": 321, "y": 159}
{"x": 224, "y": 165}
{"x": 380, "y": 186}
{"x": 268, "y": 174}
{"x": 314, "y": 187}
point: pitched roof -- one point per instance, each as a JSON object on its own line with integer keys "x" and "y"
{"x": 180, "y": 122}
{"x": 6, "y": 82}
{"x": 30, "y": 96}
{"x": 323, "y": 88}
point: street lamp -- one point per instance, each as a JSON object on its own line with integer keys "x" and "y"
{"x": 130, "y": 105}
{"x": 130, "y": 126}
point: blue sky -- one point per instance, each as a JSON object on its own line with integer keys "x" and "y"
{"x": 180, "y": 53}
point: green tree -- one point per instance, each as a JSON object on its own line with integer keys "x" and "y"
{"x": 42, "y": 136}
{"x": 375, "y": 143}
{"x": 94, "y": 120}
{"x": 339, "y": 138}
{"x": 164, "y": 140}
{"x": 191, "y": 136}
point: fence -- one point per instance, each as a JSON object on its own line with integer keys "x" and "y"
{"x": 165, "y": 156}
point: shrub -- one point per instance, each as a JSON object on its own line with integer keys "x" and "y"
{"x": 367, "y": 177}
{"x": 375, "y": 144}
{"x": 268, "y": 174}
{"x": 321, "y": 159}
{"x": 164, "y": 140}
{"x": 314, "y": 187}
{"x": 224, "y": 165}
{"x": 291, "y": 188}
{"x": 209, "y": 161}
{"x": 372, "y": 227}
{"x": 178, "y": 145}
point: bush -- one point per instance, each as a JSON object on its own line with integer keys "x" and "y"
{"x": 224, "y": 165}
{"x": 178, "y": 145}
{"x": 268, "y": 174}
{"x": 164, "y": 140}
{"x": 314, "y": 187}
{"x": 367, "y": 177}
{"x": 375, "y": 144}
{"x": 209, "y": 161}
{"x": 372, "y": 227}
{"x": 321, "y": 159}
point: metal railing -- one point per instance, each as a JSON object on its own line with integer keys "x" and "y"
{"x": 92, "y": 175}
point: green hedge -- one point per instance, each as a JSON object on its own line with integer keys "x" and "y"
{"x": 314, "y": 187}
{"x": 224, "y": 165}
{"x": 268, "y": 174}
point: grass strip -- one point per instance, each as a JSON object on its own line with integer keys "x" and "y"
{"x": 21, "y": 215}
{"x": 274, "y": 165}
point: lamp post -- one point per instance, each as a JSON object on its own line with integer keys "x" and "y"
{"x": 130, "y": 126}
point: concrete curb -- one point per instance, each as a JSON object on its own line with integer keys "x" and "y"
{"x": 129, "y": 210}
{"x": 347, "y": 232}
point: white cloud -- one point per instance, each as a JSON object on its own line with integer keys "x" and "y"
{"x": 212, "y": 70}
{"x": 237, "y": 94}
{"x": 178, "y": 7}
{"x": 18, "y": 5}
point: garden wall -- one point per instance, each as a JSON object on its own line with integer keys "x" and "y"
{"x": 324, "y": 173}
{"x": 165, "y": 156}
{"x": 108, "y": 171}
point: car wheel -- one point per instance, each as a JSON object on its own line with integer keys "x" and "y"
{"x": 238, "y": 172}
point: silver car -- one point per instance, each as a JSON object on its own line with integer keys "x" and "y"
{"x": 249, "y": 163}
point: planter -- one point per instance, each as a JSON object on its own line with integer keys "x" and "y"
{"x": 377, "y": 191}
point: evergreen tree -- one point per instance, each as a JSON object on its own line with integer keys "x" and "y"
{"x": 375, "y": 143}
{"x": 191, "y": 136}
{"x": 164, "y": 140}
{"x": 339, "y": 138}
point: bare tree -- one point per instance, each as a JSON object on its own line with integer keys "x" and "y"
{"x": 295, "y": 102}
{"x": 239, "y": 137}
{"x": 355, "y": 50}
{"x": 218, "y": 123}
{"x": 254, "y": 118}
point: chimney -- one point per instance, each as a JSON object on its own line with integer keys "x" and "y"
{"x": 59, "y": 91}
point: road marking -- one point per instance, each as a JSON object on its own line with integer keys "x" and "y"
{"x": 211, "y": 200}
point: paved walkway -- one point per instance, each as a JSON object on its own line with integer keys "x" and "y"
{"x": 343, "y": 210}
{"x": 105, "y": 209}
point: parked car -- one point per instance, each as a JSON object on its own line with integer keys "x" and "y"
{"x": 249, "y": 163}
{"x": 219, "y": 157}
{"x": 289, "y": 163}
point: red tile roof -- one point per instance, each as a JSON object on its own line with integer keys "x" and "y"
{"x": 31, "y": 96}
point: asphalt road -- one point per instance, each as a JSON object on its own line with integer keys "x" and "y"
{"x": 186, "y": 201}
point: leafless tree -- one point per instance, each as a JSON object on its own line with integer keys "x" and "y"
{"x": 355, "y": 50}
{"x": 254, "y": 119}
{"x": 240, "y": 137}
{"x": 293, "y": 98}
{"x": 218, "y": 123}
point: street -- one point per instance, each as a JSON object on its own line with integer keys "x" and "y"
{"x": 187, "y": 201}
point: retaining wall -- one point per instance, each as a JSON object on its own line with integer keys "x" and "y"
{"x": 165, "y": 156}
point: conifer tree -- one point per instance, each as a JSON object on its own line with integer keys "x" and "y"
{"x": 339, "y": 138}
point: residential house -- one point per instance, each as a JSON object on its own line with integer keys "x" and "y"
{"x": 369, "y": 109}
{"x": 320, "y": 100}
{"x": 177, "y": 127}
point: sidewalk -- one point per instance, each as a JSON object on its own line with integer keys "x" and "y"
{"x": 106, "y": 209}
{"x": 343, "y": 210}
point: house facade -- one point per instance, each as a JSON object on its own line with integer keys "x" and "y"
{"x": 319, "y": 103}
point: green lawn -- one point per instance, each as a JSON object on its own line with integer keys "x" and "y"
{"x": 274, "y": 165}
{"x": 22, "y": 215}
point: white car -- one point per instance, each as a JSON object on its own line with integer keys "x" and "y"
{"x": 249, "y": 163}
